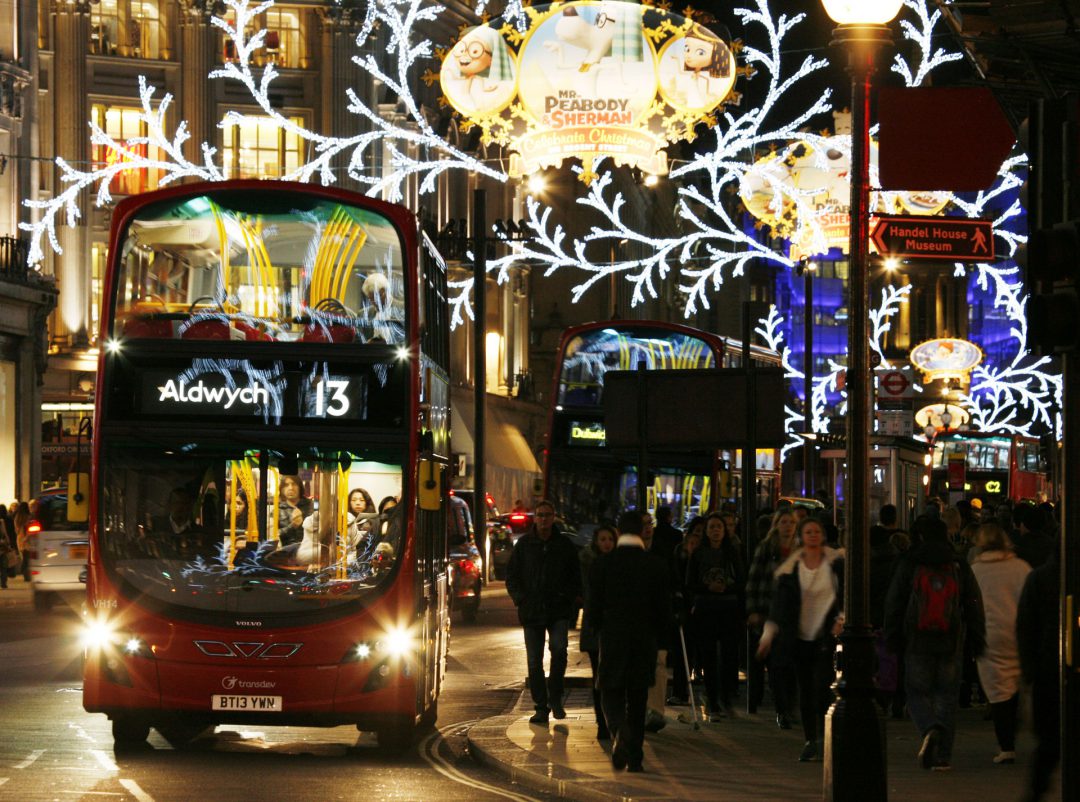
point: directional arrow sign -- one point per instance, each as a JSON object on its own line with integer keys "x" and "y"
{"x": 948, "y": 239}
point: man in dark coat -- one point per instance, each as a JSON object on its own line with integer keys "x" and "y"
{"x": 629, "y": 604}
{"x": 1033, "y": 545}
{"x": 1038, "y": 627}
{"x": 932, "y": 650}
{"x": 544, "y": 580}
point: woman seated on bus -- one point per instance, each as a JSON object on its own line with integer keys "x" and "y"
{"x": 293, "y": 508}
{"x": 363, "y": 517}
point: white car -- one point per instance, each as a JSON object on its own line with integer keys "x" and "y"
{"x": 58, "y": 552}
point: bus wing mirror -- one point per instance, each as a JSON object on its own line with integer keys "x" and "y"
{"x": 429, "y": 484}
{"x": 78, "y": 500}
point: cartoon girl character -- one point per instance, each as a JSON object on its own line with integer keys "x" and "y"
{"x": 480, "y": 71}
{"x": 705, "y": 73}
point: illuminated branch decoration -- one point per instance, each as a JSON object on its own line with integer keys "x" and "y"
{"x": 711, "y": 245}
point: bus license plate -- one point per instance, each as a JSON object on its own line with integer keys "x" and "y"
{"x": 252, "y": 704}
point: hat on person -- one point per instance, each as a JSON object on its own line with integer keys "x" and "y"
{"x": 976, "y": 504}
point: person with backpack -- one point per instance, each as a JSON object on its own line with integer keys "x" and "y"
{"x": 933, "y": 604}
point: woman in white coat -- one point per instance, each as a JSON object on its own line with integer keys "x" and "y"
{"x": 1000, "y": 574}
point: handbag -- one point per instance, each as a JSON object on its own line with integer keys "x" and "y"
{"x": 12, "y": 558}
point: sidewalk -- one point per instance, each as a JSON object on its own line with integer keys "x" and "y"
{"x": 746, "y": 758}
{"x": 17, "y": 594}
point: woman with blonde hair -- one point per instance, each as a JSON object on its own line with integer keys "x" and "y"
{"x": 1001, "y": 575}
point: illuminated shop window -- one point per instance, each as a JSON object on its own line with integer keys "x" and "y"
{"x": 258, "y": 148}
{"x": 98, "y": 252}
{"x": 145, "y": 29}
{"x": 284, "y": 41}
{"x": 105, "y": 28}
{"x": 124, "y": 125}
{"x": 132, "y": 29}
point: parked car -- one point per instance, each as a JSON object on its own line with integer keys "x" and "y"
{"x": 508, "y": 528}
{"x": 466, "y": 563}
{"x": 58, "y": 551}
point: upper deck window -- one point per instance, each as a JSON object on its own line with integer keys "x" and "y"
{"x": 265, "y": 266}
{"x": 590, "y": 355}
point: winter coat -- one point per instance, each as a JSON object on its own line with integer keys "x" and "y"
{"x": 587, "y": 639}
{"x": 708, "y": 564}
{"x": 1038, "y": 624}
{"x": 783, "y": 625}
{"x": 1001, "y": 576}
{"x": 629, "y": 605}
{"x": 883, "y": 560}
{"x": 900, "y": 632}
{"x": 543, "y": 578}
{"x": 759, "y": 582}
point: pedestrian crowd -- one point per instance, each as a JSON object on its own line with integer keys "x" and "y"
{"x": 963, "y": 604}
{"x": 14, "y": 541}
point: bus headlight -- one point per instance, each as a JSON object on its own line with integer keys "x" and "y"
{"x": 398, "y": 642}
{"x": 97, "y": 634}
{"x": 362, "y": 651}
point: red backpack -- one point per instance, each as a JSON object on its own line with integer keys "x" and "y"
{"x": 934, "y": 608}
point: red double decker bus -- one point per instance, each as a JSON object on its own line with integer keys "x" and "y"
{"x": 268, "y": 510}
{"x": 585, "y": 479}
{"x": 991, "y": 467}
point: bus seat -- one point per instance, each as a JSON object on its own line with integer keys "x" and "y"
{"x": 146, "y": 327}
{"x": 251, "y": 333}
{"x": 207, "y": 330}
{"x": 314, "y": 333}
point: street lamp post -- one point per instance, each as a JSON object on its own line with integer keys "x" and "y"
{"x": 854, "y": 731}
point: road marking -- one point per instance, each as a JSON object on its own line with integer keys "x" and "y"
{"x": 105, "y": 761}
{"x": 30, "y": 759}
{"x": 136, "y": 791}
{"x": 429, "y": 750}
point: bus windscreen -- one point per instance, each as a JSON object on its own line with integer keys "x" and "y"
{"x": 259, "y": 531}
{"x": 589, "y": 355}
{"x": 236, "y": 264}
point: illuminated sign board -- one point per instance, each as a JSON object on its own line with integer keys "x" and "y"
{"x": 802, "y": 192}
{"x": 275, "y": 394}
{"x": 946, "y": 358}
{"x": 590, "y": 433}
{"x": 992, "y": 486}
{"x": 942, "y": 238}
{"x": 589, "y": 79}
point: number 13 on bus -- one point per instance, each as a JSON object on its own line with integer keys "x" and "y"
{"x": 268, "y": 512}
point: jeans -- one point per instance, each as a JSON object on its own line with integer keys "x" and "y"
{"x": 932, "y": 682}
{"x": 542, "y": 689}
{"x": 624, "y": 709}
{"x": 814, "y": 674}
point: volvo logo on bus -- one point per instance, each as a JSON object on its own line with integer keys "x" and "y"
{"x": 217, "y": 648}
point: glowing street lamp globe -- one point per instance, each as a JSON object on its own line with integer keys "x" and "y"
{"x": 862, "y": 12}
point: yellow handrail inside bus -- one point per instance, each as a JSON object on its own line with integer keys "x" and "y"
{"x": 274, "y": 527}
{"x": 232, "y": 515}
{"x": 342, "y": 523}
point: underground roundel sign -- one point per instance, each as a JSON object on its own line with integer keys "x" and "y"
{"x": 589, "y": 79}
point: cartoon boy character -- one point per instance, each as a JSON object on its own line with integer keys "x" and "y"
{"x": 481, "y": 72}
{"x": 704, "y": 76}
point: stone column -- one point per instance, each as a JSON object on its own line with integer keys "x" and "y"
{"x": 72, "y": 136}
{"x": 199, "y": 48}
{"x": 337, "y": 74}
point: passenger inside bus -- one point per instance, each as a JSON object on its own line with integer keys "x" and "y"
{"x": 293, "y": 507}
{"x": 176, "y": 532}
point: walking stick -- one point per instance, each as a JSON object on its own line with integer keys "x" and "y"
{"x": 689, "y": 679}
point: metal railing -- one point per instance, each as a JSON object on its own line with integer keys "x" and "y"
{"x": 13, "y": 266}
